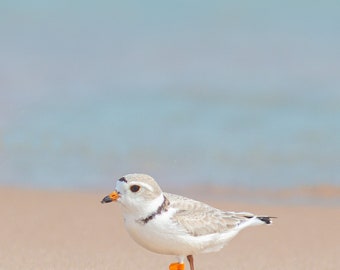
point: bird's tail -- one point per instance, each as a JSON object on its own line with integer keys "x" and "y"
{"x": 266, "y": 220}
{"x": 249, "y": 219}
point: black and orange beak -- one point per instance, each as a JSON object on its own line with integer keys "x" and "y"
{"x": 114, "y": 196}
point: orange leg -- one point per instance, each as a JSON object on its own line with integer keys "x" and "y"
{"x": 176, "y": 266}
{"x": 191, "y": 261}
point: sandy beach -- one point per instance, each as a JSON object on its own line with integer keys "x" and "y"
{"x": 70, "y": 230}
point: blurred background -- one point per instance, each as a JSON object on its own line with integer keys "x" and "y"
{"x": 242, "y": 94}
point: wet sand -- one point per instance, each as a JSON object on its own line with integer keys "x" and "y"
{"x": 70, "y": 230}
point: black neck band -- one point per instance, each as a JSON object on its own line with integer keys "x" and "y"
{"x": 160, "y": 209}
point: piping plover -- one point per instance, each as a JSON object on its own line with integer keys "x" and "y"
{"x": 174, "y": 225}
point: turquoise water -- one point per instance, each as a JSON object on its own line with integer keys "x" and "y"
{"x": 240, "y": 140}
{"x": 222, "y": 93}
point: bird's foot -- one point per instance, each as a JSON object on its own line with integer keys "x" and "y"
{"x": 176, "y": 266}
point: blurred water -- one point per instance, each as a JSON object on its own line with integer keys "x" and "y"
{"x": 240, "y": 140}
{"x": 225, "y": 93}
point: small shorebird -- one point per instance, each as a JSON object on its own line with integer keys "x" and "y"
{"x": 174, "y": 225}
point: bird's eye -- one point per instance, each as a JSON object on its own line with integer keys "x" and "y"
{"x": 134, "y": 188}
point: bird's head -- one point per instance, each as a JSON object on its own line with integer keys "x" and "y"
{"x": 137, "y": 193}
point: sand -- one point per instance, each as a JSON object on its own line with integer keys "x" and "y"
{"x": 70, "y": 230}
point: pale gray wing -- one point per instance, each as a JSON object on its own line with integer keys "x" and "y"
{"x": 198, "y": 218}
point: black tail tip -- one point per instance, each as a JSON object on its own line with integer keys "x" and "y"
{"x": 267, "y": 220}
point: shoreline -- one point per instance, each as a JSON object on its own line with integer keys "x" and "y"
{"x": 318, "y": 195}
{"x": 326, "y": 195}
